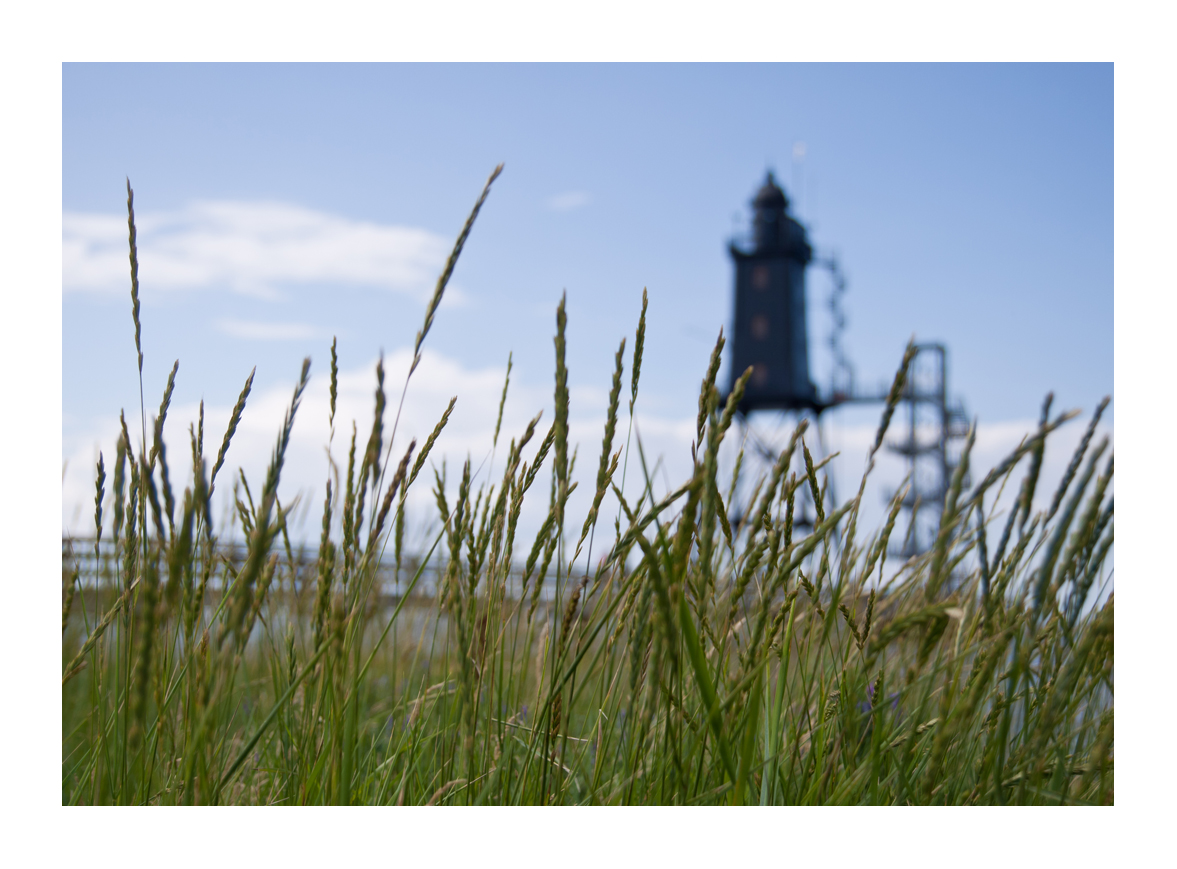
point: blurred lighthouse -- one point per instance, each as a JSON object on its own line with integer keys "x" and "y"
{"x": 769, "y": 327}
{"x": 770, "y": 334}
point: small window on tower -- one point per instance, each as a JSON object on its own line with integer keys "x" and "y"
{"x": 760, "y": 278}
{"x": 759, "y": 327}
{"x": 759, "y": 374}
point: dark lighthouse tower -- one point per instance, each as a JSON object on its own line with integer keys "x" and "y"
{"x": 769, "y": 328}
{"x": 769, "y": 333}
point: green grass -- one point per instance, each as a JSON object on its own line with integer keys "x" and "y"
{"x": 701, "y": 661}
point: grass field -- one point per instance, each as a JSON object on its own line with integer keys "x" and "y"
{"x": 700, "y": 661}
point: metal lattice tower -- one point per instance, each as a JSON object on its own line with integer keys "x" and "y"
{"x": 936, "y": 428}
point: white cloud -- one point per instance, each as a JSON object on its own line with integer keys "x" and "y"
{"x": 267, "y": 331}
{"x": 665, "y": 440}
{"x": 570, "y": 200}
{"x": 247, "y": 247}
{"x": 995, "y": 441}
{"x": 469, "y": 432}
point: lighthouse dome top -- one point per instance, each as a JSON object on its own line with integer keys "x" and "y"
{"x": 770, "y": 197}
{"x": 774, "y": 231}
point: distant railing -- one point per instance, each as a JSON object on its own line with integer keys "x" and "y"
{"x": 98, "y": 569}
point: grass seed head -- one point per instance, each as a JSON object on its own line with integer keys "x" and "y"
{"x": 444, "y": 279}
{"x": 503, "y": 400}
{"x": 639, "y": 345}
{"x": 134, "y": 257}
{"x": 234, "y": 420}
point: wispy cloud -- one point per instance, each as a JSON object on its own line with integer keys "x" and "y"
{"x": 470, "y": 433}
{"x": 665, "y": 439}
{"x": 247, "y": 247}
{"x": 267, "y": 331}
{"x": 570, "y": 201}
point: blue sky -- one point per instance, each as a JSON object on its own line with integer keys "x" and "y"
{"x": 280, "y": 205}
